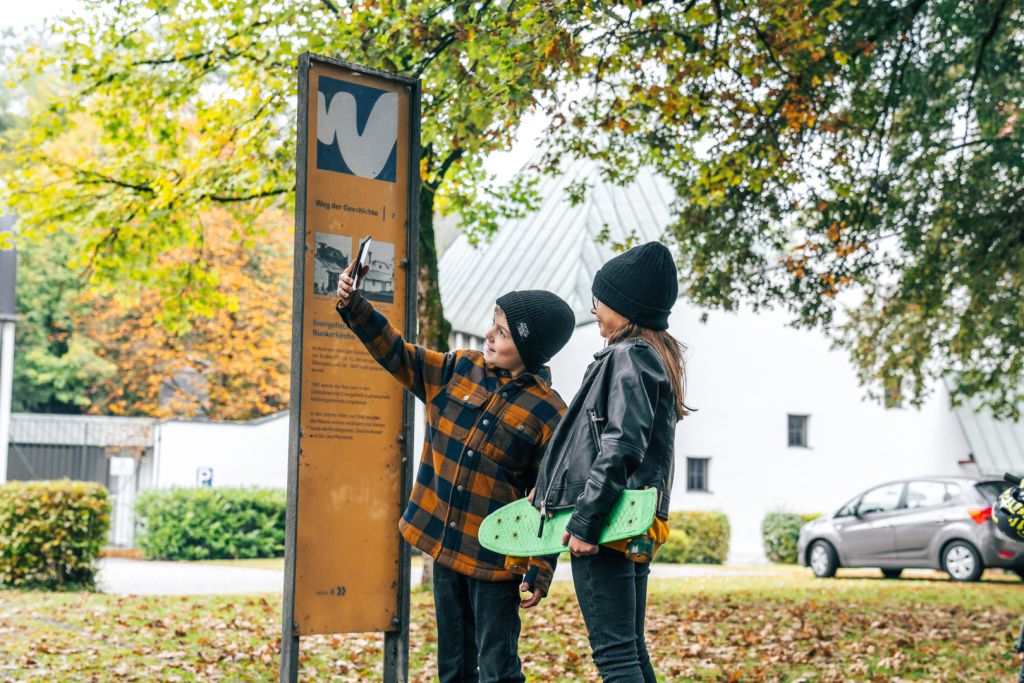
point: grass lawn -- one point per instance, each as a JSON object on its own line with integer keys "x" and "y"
{"x": 770, "y": 625}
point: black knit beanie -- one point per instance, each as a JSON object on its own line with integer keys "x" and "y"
{"x": 540, "y": 323}
{"x": 641, "y": 285}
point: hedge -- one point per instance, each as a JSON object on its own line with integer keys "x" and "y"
{"x": 780, "y": 532}
{"x": 696, "y": 538}
{"x": 210, "y": 523}
{"x": 51, "y": 533}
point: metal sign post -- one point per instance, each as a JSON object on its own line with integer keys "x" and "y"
{"x": 350, "y": 439}
{"x": 8, "y": 317}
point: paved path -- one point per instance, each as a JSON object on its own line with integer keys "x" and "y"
{"x": 140, "y": 577}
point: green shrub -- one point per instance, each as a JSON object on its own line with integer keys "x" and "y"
{"x": 51, "y": 533}
{"x": 210, "y": 523}
{"x": 780, "y": 532}
{"x": 675, "y": 549}
{"x": 701, "y": 538}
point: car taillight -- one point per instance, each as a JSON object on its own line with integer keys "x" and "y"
{"x": 980, "y": 515}
{"x": 1006, "y": 554}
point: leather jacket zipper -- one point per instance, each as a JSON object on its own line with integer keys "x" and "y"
{"x": 593, "y": 419}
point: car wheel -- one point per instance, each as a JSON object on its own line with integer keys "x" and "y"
{"x": 823, "y": 560}
{"x": 962, "y": 562}
{"x": 892, "y": 573}
{"x": 1019, "y": 572}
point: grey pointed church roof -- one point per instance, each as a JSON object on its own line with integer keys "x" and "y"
{"x": 554, "y": 248}
{"x": 997, "y": 445}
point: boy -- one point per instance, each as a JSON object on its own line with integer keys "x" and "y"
{"x": 489, "y": 415}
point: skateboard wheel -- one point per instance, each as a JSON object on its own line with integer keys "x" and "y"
{"x": 640, "y": 548}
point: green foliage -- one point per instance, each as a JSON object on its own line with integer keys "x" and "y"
{"x": 55, "y": 363}
{"x": 874, "y": 148}
{"x": 210, "y": 523}
{"x": 194, "y": 105}
{"x": 8, "y": 46}
{"x": 676, "y": 549}
{"x": 697, "y": 537}
{"x": 781, "y": 532}
{"x": 815, "y": 149}
{"x": 51, "y": 533}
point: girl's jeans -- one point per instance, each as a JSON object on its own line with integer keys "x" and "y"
{"x": 612, "y": 592}
{"x": 477, "y": 629}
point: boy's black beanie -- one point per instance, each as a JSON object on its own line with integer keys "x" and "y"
{"x": 540, "y": 323}
{"x": 641, "y": 285}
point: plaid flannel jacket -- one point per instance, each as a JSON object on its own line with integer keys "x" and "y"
{"x": 485, "y": 435}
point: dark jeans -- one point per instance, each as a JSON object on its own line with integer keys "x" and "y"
{"x": 612, "y": 592}
{"x": 477, "y": 629}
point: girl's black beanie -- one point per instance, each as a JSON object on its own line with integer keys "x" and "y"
{"x": 641, "y": 285}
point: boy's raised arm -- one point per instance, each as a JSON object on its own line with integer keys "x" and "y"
{"x": 420, "y": 370}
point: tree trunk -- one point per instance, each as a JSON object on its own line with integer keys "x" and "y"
{"x": 432, "y": 329}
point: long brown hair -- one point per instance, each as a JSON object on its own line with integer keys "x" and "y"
{"x": 671, "y": 351}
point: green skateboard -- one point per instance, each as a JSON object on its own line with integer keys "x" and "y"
{"x": 512, "y": 530}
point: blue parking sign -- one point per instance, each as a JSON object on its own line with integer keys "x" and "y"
{"x": 204, "y": 477}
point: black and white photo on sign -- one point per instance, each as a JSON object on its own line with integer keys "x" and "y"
{"x": 332, "y": 256}
{"x": 379, "y": 284}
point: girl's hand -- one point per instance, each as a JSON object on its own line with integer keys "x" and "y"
{"x": 577, "y": 546}
{"x": 346, "y": 285}
{"x": 529, "y": 497}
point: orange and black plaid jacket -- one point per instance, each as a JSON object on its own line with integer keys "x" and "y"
{"x": 485, "y": 435}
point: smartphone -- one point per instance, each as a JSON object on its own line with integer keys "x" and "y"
{"x": 362, "y": 259}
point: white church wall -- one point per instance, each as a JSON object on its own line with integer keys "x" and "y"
{"x": 746, "y": 372}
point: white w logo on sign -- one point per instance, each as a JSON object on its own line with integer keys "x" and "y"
{"x": 364, "y": 154}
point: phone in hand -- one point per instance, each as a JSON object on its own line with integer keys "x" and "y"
{"x": 361, "y": 261}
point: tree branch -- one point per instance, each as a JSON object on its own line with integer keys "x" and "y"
{"x": 426, "y": 61}
{"x": 452, "y": 157}
{"x": 979, "y": 64}
{"x": 227, "y": 199}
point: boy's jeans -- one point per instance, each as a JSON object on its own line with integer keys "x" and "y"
{"x": 477, "y": 629}
{"x": 612, "y": 592}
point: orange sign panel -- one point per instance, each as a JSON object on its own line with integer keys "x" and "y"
{"x": 349, "y": 465}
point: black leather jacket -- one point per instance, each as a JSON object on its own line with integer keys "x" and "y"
{"x": 618, "y": 433}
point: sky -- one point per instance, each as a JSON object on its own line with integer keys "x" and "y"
{"x": 19, "y": 13}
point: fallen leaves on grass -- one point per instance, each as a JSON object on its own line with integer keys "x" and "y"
{"x": 719, "y": 629}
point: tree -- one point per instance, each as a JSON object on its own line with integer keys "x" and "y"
{"x": 55, "y": 362}
{"x": 194, "y": 99}
{"x": 856, "y": 161}
{"x": 231, "y": 365}
{"x": 91, "y": 349}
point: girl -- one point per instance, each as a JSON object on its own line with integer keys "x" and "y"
{"x": 618, "y": 433}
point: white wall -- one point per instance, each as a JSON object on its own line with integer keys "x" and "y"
{"x": 240, "y": 453}
{"x": 745, "y": 373}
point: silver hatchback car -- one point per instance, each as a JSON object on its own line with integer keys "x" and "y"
{"x": 929, "y": 523}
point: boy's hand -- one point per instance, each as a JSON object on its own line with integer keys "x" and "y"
{"x": 536, "y": 595}
{"x": 346, "y": 285}
{"x": 578, "y": 546}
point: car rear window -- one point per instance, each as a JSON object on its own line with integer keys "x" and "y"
{"x": 991, "y": 489}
